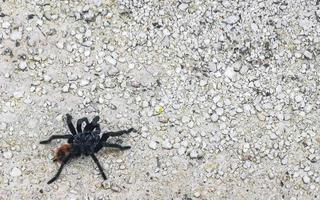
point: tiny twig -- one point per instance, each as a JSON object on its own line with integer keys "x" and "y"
{"x": 41, "y": 31}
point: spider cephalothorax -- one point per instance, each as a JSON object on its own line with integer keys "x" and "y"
{"x": 83, "y": 142}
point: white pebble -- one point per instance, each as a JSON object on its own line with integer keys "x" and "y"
{"x": 232, "y": 19}
{"x": 219, "y": 111}
{"x": 15, "y": 35}
{"x": 214, "y": 117}
{"x": 299, "y": 98}
{"x": 153, "y": 145}
{"x": 306, "y": 179}
{"x": 23, "y": 65}
{"x": 230, "y": 73}
{"x": 308, "y": 54}
{"x": 166, "y": 144}
{"x": 181, "y": 150}
{"x": 5, "y": 25}
{"x": 60, "y": 44}
{"x": 196, "y": 194}
{"x": 18, "y": 94}
{"x": 65, "y": 88}
{"x": 193, "y": 154}
{"x": 84, "y": 82}
{"x": 185, "y": 119}
{"x": 7, "y": 154}
{"x": 131, "y": 66}
{"x": 3, "y": 126}
{"x": 15, "y": 172}
{"x": 183, "y": 6}
{"x": 111, "y": 60}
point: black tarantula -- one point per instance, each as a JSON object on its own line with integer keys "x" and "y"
{"x": 84, "y": 142}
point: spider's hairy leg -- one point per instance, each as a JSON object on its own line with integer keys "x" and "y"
{"x": 63, "y": 162}
{"x": 119, "y": 133}
{"x": 54, "y": 137}
{"x": 95, "y": 120}
{"x": 95, "y": 159}
{"x": 106, "y": 135}
{"x": 93, "y": 125}
{"x": 70, "y": 125}
{"x": 79, "y": 123}
{"x": 118, "y": 146}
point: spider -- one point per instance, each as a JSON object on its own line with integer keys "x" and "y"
{"x": 86, "y": 141}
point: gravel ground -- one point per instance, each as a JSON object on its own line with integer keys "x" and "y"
{"x": 224, "y": 95}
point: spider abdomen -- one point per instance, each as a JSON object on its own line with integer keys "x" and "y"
{"x": 86, "y": 142}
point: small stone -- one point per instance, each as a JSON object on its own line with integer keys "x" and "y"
{"x": 308, "y": 54}
{"x": 3, "y": 126}
{"x": 100, "y": 100}
{"x": 246, "y": 146}
{"x": 230, "y": 73}
{"x": 181, "y": 150}
{"x": 18, "y": 94}
{"x": 212, "y": 66}
{"x": 185, "y": 119}
{"x": 232, "y": 19}
{"x": 166, "y": 32}
{"x": 196, "y": 194}
{"x": 65, "y": 88}
{"x": 273, "y": 136}
{"x": 15, "y": 35}
{"x": 271, "y": 175}
{"x": 299, "y": 98}
{"x": 7, "y": 154}
{"x": 244, "y": 69}
{"x": 166, "y": 144}
{"x": 106, "y": 184}
{"x": 237, "y": 66}
{"x": 306, "y": 179}
{"x": 87, "y": 53}
{"x": 131, "y": 66}
{"x": 60, "y": 44}
{"x": 47, "y": 78}
{"x": 284, "y": 161}
{"x": 183, "y": 6}
{"x": 115, "y": 188}
{"x": 135, "y": 84}
{"x": 111, "y": 60}
{"x": 23, "y": 65}
{"x": 219, "y": 111}
{"x": 193, "y": 154}
{"x": 15, "y": 172}
{"x": 203, "y": 83}
{"x": 312, "y": 187}
{"x": 32, "y": 123}
{"x": 306, "y": 24}
{"x": 84, "y": 82}
{"x": 6, "y": 25}
{"x": 113, "y": 71}
{"x": 214, "y": 117}
{"x": 153, "y": 145}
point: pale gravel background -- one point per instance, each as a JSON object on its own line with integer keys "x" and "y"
{"x": 225, "y": 95}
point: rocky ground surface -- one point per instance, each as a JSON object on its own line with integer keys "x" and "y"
{"x": 224, "y": 95}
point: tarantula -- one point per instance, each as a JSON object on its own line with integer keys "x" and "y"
{"x": 84, "y": 142}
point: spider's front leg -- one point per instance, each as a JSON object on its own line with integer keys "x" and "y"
{"x": 95, "y": 159}
{"x": 54, "y": 137}
{"x": 79, "y": 123}
{"x": 70, "y": 125}
{"x": 93, "y": 125}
